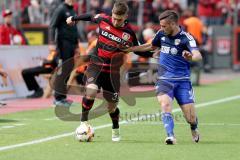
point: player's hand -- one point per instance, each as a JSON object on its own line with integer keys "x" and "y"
{"x": 126, "y": 49}
{"x": 70, "y": 22}
{"x": 187, "y": 55}
{"x": 52, "y": 47}
{"x": 4, "y": 77}
{"x": 156, "y": 54}
{"x": 3, "y": 74}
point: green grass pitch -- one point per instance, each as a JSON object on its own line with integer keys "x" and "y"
{"x": 37, "y": 135}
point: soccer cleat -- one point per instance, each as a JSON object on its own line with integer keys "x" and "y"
{"x": 170, "y": 140}
{"x": 195, "y": 135}
{"x": 116, "y": 135}
{"x": 37, "y": 94}
{"x": 2, "y": 103}
{"x": 63, "y": 103}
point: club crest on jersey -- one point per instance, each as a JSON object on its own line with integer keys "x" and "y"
{"x": 174, "y": 51}
{"x": 177, "y": 42}
{"x": 125, "y": 36}
{"x": 163, "y": 38}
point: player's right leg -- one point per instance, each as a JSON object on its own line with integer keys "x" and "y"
{"x": 165, "y": 98}
{"x": 167, "y": 118}
{"x": 88, "y": 100}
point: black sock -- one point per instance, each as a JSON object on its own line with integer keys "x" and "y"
{"x": 115, "y": 118}
{"x": 195, "y": 125}
{"x": 86, "y": 107}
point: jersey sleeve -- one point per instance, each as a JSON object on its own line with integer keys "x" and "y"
{"x": 99, "y": 17}
{"x": 157, "y": 40}
{"x": 191, "y": 43}
{"x": 146, "y": 54}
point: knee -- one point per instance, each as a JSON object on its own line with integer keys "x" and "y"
{"x": 112, "y": 107}
{"x": 191, "y": 119}
{"x": 91, "y": 90}
{"x": 166, "y": 106}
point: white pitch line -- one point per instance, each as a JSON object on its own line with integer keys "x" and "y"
{"x": 200, "y": 124}
{"x": 3, "y": 148}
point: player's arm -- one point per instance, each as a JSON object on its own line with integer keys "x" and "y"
{"x": 85, "y": 17}
{"x": 194, "y": 55}
{"x": 3, "y": 73}
{"x": 54, "y": 23}
{"x": 142, "y": 48}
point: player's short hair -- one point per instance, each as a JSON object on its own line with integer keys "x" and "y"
{"x": 170, "y": 15}
{"x": 120, "y": 8}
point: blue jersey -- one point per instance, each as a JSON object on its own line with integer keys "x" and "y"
{"x": 172, "y": 64}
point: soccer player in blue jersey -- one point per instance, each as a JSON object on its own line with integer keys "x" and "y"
{"x": 177, "y": 49}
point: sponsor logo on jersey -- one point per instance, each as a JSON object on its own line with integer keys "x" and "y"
{"x": 177, "y": 42}
{"x": 165, "y": 49}
{"x": 174, "y": 51}
{"x": 113, "y": 37}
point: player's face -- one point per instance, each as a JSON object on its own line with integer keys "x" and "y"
{"x": 118, "y": 20}
{"x": 8, "y": 19}
{"x": 167, "y": 27}
{"x": 70, "y": 2}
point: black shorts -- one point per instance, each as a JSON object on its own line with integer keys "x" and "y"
{"x": 108, "y": 82}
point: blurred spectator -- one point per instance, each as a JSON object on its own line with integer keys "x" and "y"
{"x": 95, "y": 6}
{"x": 161, "y": 5}
{"x": 3, "y": 73}
{"x": 33, "y": 13}
{"x": 107, "y": 7}
{"x": 196, "y": 28}
{"x": 133, "y": 13}
{"x": 221, "y": 10}
{"x": 192, "y": 4}
{"x": 64, "y": 39}
{"x": 148, "y": 35}
{"x": 9, "y": 35}
{"x": 28, "y": 74}
{"x": 81, "y": 62}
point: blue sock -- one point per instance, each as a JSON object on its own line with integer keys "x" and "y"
{"x": 195, "y": 125}
{"x": 168, "y": 123}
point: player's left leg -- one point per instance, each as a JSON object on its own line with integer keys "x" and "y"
{"x": 111, "y": 87}
{"x": 184, "y": 95}
{"x": 191, "y": 117}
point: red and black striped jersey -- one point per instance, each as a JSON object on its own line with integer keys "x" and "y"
{"x": 111, "y": 40}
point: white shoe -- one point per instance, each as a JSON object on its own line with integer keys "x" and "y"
{"x": 170, "y": 140}
{"x": 116, "y": 135}
{"x": 195, "y": 135}
{"x": 2, "y": 103}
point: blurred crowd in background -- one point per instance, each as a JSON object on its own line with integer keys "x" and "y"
{"x": 210, "y": 12}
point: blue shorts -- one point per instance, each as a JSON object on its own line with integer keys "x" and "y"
{"x": 181, "y": 90}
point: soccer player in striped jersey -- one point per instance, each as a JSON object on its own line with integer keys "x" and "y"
{"x": 115, "y": 33}
{"x": 177, "y": 49}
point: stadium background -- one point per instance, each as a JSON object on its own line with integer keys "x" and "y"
{"x": 32, "y": 122}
